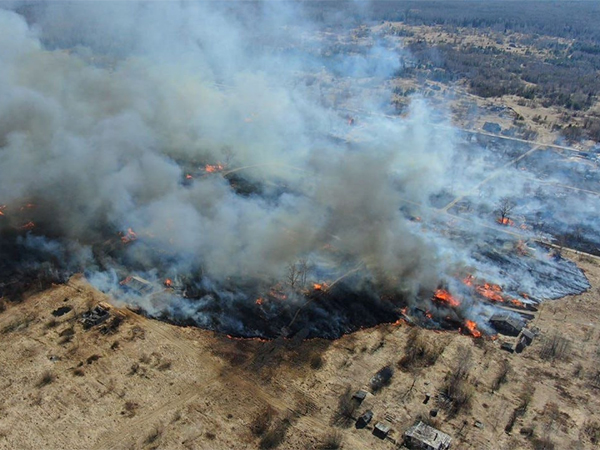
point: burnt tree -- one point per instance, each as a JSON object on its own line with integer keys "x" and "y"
{"x": 505, "y": 208}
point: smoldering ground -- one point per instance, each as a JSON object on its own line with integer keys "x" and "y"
{"x": 112, "y": 114}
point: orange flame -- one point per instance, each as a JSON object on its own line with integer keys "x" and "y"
{"x": 214, "y": 168}
{"x": 259, "y": 301}
{"x": 125, "y": 281}
{"x": 472, "y": 328}
{"x": 505, "y": 221}
{"x": 129, "y": 236}
{"x": 444, "y": 296}
{"x": 168, "y": 282}
{"x": 468, "y": 280}
{"x": 188, "y": 177}
{"x": 490, "y": 291}
{"x": 518, "y": 303}
{"x": 28, "y": 226}
{"x": 274, "y": 292}
{"x": 27, "y": 206}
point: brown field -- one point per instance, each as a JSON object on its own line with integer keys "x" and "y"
{"x": 154, "y": 385}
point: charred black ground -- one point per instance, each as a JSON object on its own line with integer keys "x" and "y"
{"x": 270, "y": 312}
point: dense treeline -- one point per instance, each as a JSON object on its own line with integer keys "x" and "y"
{"x": 568, "y": 19}
{"x": 568, "y": 79}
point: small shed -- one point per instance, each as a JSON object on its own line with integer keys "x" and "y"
{"x": 507, "y": 346}
{"x": 423, "y": 437}
{"x": 364, "y": 420}
{"x": 527, "y": 335}
{"x": 360, "y": 395}
{"x": 507, "y": 324}
{"x": 524, "y": 340}
{"x": 381, "y": 430}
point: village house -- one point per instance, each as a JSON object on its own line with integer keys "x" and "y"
{"x": 507, "y": 324}
{"x": 423, "y": 437}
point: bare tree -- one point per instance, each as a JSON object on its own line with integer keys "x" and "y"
{"x": 297, "y": 273}
{"x": 505, "y": 208}
{"x": 292, "y": 274}
{"x": 303, "y": 270}
{"x": 457, "y": 391}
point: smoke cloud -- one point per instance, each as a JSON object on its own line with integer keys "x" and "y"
{"x": 113, "y": 115}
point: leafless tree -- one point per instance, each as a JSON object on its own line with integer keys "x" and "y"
{"x": 346, "y": 408}
{"x": 505, "y": 208}
{"x": 303, "y": 267}
{"x": 457, "y": 389}
{"x": 292, "y": 274}
{"x": 297, "y": 273}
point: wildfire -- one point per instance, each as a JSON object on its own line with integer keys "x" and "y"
{"x": 129, "y": 236}
{"x": 125, "y": 281}
{"x": 168, "y": 282}
{"x": 259, "y": 301}
{"x": 471, "y": 327}
{"x": 522, "y": 248}
{"x": 505, "y": 221}
{"x": 518, "y": 303}
{"x": 28, "y": 226}
{"x": 2, "y": 207}
{"x": 319, "y": 287}
{"x": 444, "y": 296}
{"x": 214, "y": 168}
{"x": 493, "y": 292}
{"x": 468, "y": 280}
{"x": 275, "y": 292}
{"x": 188, "y": 177}
{"x": 490, "y": 291}
{"x": 26, "y": 206}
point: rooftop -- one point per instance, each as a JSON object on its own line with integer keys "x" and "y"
{"x": 527, "y": 333}
{"x": 428, "y": 435}
{"x": 508, "y": 319}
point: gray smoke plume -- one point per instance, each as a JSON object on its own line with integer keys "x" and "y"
{"x": 114, "y": 114}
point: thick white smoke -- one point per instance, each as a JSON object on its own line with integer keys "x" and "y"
{"x": 105, "y": 107}
{"x": 101, "y": 142}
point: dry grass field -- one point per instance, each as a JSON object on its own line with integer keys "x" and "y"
{"x": 142, "y": 383}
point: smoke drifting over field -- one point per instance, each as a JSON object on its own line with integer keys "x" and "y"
{"x": 202, "y": 129}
